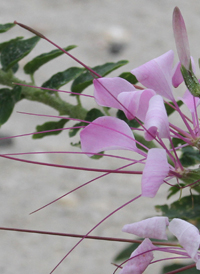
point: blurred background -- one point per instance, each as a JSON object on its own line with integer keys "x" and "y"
{"x": 103, "y": 30}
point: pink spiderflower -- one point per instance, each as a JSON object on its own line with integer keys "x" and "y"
{"x": 186, "y": 233}
{"x": 147, "y": 106}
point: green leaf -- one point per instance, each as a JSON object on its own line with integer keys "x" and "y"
{"x": 176, "y": 142}
{"x": 8, "y": 98}
{"x": 42, "y": 59}
{"x": 93, "y": 114}
{"x": 74, "y": 130}
{"x": 85, "y": 79}
{"x": 170, "y": 109}
{"x": 5, "y": 44}
{"x": 97, "y": 157}
{"x": 61, "y": 78}
{"x": 190, "y": 156}
{"x": 191, "y": 81}
{"x": 169, "y": 268}
{"x": 141, "y": 139}
{"x": 17, "y": 50}
{"x": 78, "y": 144}
{"x": 51, "y": 127}
{"x": 129, "y": 77}
{"x": 15, "y": 67}
{"x": 174, "y": 189}
{"x": 187, "y": 208}
{"x": 132, "y": 123}
{"x": 6, "y": 27}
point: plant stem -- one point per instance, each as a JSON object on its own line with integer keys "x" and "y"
{"x": 34, "y": 94}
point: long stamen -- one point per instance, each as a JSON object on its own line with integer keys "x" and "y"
{"x": 73, "y": 190}
{"x": 95, "y": 74}
{"x": 70, "y": 167}
{"x": 52, "y": 89}
{"x": 109, "y": 215}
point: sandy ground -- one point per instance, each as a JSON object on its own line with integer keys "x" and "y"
{"x": 95, "y": 26}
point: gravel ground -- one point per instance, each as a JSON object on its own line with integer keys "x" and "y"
{"x": 138, "y": 31}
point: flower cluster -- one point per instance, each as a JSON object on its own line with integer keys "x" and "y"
{"x": 186, "y": 233}
{"x": 147, "y": 106}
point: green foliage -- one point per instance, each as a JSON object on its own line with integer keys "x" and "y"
{"x": 6, "y": 27}
{"x": 8, "y": 98}
{"x": 5, "y": 44}
{"x": 174, "y": 189}
{"x": 16, "y": 51}
{"x": 170, "y": 109}
{"x": 42, "y": 59}
{"x": 129, "y": 77}
{"x": 169, "y": 268}
{"x": 132, "y": 123}
{"x": 190, "y": 156}
{"x": 62, "y": 78}
{"x": 49, "y": 128}
{"x": 85, "y": 79}
{"x": 186, "y": 208}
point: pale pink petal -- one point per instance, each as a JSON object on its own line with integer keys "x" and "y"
{"x": 190, "y": 101}
{"x": 137, "y": 264}
{"x": 198, "y": 264}
{"x": 177, "y": 77}
{"x": 181, "y": 38}
{"x": 106, "y": 91}
{"x": 187, "y": 235}
{"x": 106, "y": 133}
{"x": 136, "y": 103}
{"x": 155, "y": 171}
{"x": 156, "y": 121}
{"x": 154, "y": 227}
{"x": 157, "y": 74}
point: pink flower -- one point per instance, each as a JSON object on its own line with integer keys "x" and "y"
{"x": 157, "y": 74}
{"x": 106, "y": 91}
{"x": 139, "y": 259}
{"x": 155, "y": 171}
{"x": 181, "y": 38}
{"x": 187, "y": 235}
{"x": 156, "y": 120}
{"x": 149, "y": 228}
{"x": 107, "y": 133}
{"x": 155, "y": 227}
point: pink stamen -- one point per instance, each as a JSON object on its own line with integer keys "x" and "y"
{"x": 116, "y": 210}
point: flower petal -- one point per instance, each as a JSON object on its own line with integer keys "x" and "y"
{"x": 181, "y": 38}
{"x": 154, "y": 227}
{"x": 106, "y": 133}
{"x": 106, "y": 91}
{"x": 190, "y": 101}
{"x": 136, "y": 103}
{"x": 157, "y": 74}
{"x": 156, "y": 121}
{"x": 155, "y": 171}
{"x": 177, "y": 77}
{"x": 137, "y": 264}
{"x": 187, "y": 235}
